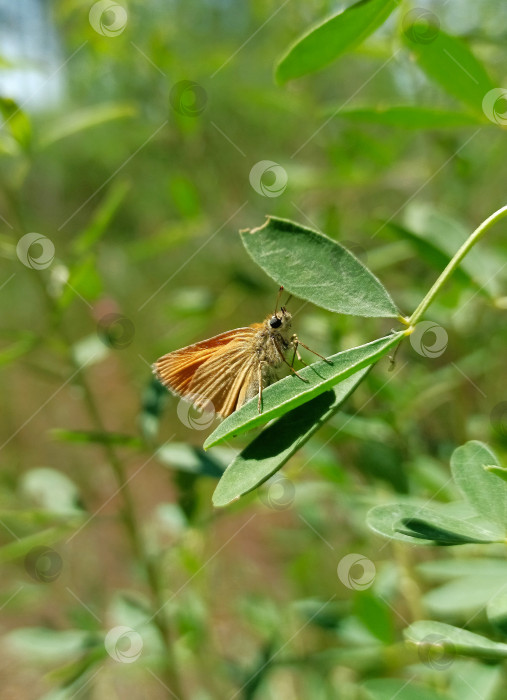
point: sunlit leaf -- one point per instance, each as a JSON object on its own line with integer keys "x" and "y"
{"x": 332, "y": 38}
{"x": 83, "y": 119}
{"x": 448, "y": 61}
{"x": 314, "y": 267}
{"x": 454, "y": 640}
{"x": 276, "y": 444}
{"x": 487, "y": 494}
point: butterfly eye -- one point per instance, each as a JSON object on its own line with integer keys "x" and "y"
{"x": 275, "y": 322}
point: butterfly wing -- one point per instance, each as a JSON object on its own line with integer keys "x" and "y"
{"x": 217, "y": 370}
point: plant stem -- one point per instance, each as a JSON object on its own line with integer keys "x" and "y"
{"x": 455, "y": 261}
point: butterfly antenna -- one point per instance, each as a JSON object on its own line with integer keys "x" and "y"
{"x": 288, "y": 299}
{"x": 278, "y": 299}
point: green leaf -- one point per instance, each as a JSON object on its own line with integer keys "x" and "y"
{"x": 26, "y": 340}
{"x": 270, "y": 450}
{"x": 497, "y": 612}
{"x": 332, "y": 38}
{"x": 46, "y": 646}
{"x": 290, "y": 392}
{"x": 420, "y": 525}
{"x": 17, "y": 122}
{"x": 102, "y": 217}
{"x": 19, "y": 548}
{"x": 84, "y": 281}
{"x": 464, "y": 596}
{"x": 314, "y": 267}
{"x": 83, "y": 119}
{"x": 390, "y": 688}
{"x": 454, "y": 640}
{"x": 501, "y": 472}
{"x": 408, "y": 117}
{"x": 186, "y": 458}
{"x": 449, "y": 62}
{"x": 52, "y": 490}
{"x": 486, "y": 494}
{"x": 96, "y": 437}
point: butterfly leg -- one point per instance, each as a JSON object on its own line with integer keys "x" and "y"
{"x": 282, "y": 357}
{"x": 259, "y": 376}
{"x": 296, "y": 342}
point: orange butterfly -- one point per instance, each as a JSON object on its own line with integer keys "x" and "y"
{"x": 233, "y": 367}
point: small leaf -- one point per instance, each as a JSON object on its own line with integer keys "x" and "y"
{"x": 25, "y": 341}
{"x": 96, "y": 437}
{"x": 501, "y": 472}
{"x": 420, "y": 525}
{"x": 290, "y": 392}
{"x": 486, "y": 494}
{"x": 464, "y": 596}
{"x": 17, "y": 122}
{"x": 314, "y": 267}
{"x": 449, "y": 62}
{"x": 332, "y": 38}
{"x": 52, "y": 490}
{"x": 270, "y": 450}
{"x": 83, "y": 119}
{"x": 454, "y": 640}
{"x": 19, "y": 548}
{"x": 46, "y": 646}
{"x": 186, "y": 458}
{"x": 101, "y": 218}
{"x": 408, "y": 117}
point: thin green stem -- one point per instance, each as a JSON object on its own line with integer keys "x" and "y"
{"x": 453, "y": 264}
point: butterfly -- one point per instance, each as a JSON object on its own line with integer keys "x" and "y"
{"x": 229, "y": 369}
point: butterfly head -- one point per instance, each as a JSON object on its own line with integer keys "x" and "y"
{"x": 280, "y": 321}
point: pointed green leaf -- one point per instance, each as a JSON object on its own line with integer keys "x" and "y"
{"x": 290, "y": 392}
{"x": 449, "y": 62}
{"x": 420, "y": 525}
{"x": 487, "y": 494}
{"x": 270, "y": 450}
{"x": 501, "y": 472}
{"x": 83, "y": 119}
{"x": 314, "y": 267}
{"x": 408, "y": 117}
{"x": 454, "y": 640}
{"x": 335, "y": 36}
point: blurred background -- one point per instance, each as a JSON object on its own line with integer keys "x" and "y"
{"x": 127, "y": 152}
